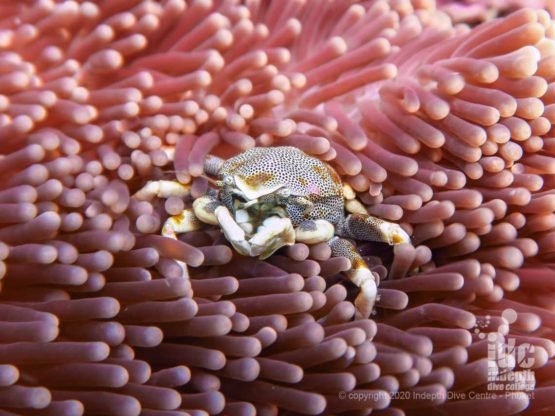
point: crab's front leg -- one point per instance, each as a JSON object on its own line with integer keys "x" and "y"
{"x": 368, "y": 228}
{"x": 359, "y": 274}
{"x": 318, "y": 231}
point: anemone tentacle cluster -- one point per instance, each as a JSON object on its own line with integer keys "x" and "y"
{"x": 439, "y": 126}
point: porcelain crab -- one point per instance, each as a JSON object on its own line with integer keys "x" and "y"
{"x": 270, "y": 197}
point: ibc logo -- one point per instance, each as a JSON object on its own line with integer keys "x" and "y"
{"x": 504, "y": 354}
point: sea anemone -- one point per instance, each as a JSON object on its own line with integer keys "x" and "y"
{"x": 476, "y": 11}
{"x": 439, "y": 126}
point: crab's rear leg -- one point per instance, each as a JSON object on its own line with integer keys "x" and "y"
{"x": 318, "y": 231}
{"x": 368, "y": 228}
{"x": 359, "y": 274}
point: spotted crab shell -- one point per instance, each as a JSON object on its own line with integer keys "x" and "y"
{"x": 263, "y": 170}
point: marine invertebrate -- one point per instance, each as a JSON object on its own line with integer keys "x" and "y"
{"x": 473, "y": 11}
{"x": 273, "y": 197}
{"x": 440, "y": 127}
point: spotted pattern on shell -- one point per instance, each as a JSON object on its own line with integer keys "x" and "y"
{"x": 268, "y": 169}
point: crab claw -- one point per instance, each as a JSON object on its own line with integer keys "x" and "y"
{"x": 394, "y": 234}
{"x": 273, "y": 234}
{"x": 204, "y": 208}
{"x": 233, "y": 233}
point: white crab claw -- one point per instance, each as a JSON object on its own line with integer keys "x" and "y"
{"x": 233, "y": 233}
{"x": 202, "y": 210}
{"x": 273, "y": 234}
{"x": 243, "y": 218}
{"x": 322, "y": 231}
{"x": 393, "y": 233}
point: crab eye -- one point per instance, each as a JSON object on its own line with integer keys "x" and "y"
{"x": 228, "y": 180}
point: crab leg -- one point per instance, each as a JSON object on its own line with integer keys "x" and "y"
{"x": 359, "y": 274}
{"x": 314, "y": 231}
{"x": 181, "y": 223}
{"x": 369, "y": 228}
{"x": 191, "y": 219}
{"x": 176, "y": 224}
{"x": 204, "y": 208}
{"x": 352, "y": 204}
{"x": 162, "y": 189}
